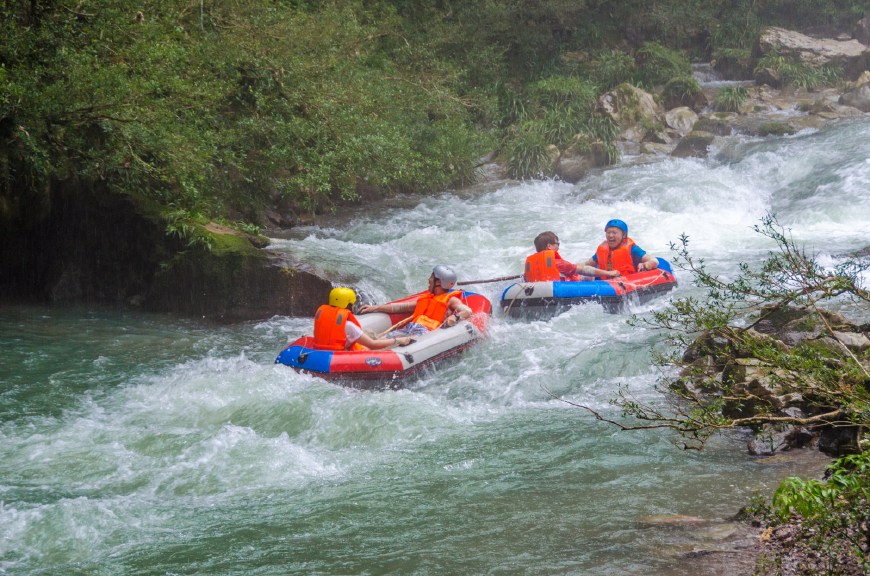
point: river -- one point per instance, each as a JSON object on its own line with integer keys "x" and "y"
{"x": 142, "y": 444}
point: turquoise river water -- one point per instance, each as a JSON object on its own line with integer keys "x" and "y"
{"x": 147, "y": 445}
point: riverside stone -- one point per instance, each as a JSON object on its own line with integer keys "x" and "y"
{"x": 852, "y": 55}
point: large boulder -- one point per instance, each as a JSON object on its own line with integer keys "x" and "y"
{"x": 579, "y": 158}
{"x": 859, "y": 97}
{"x": 635, "y": 110}
{"x": 852, "y": 55}
{"x": 232, "y": 280}
{"x": 861, "y": 33}
{"x": 681, "y": 119}
{"x": 695, "y": 144}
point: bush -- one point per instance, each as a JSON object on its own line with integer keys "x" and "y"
{"x": 529, "y": 152}
{"x": 828, "y": 530}
{"x": 682, "y": 91}
{"x": 731, "y": 98}
{"x": 612, "y": 68}
{"x": 794, "y": 72}
{"x": 657, "y": 65}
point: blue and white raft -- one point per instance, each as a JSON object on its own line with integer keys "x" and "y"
{"x": 543, "y": 299}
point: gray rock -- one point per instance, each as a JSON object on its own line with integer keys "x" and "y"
{"x": 695, "y": 144}
{"x": 681, "y": 119}
{"x": 851, "y": 54}
{"x": 861, "y": 33}
{"x": 858, "y": 98}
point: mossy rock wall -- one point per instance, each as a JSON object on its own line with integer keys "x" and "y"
{"x": 88, "y": 245}
{"x": 235, "y": 285}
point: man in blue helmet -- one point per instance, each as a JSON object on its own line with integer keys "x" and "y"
{"x": 439, "y": 306}
{"x": 619, "y": 252}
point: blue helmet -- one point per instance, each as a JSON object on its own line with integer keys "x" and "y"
{"x": 617, "y": 224}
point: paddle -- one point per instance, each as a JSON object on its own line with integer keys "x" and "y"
{"x": 489, "y": 280}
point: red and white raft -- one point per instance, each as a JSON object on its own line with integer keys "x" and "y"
{"x": 386, "y": 368}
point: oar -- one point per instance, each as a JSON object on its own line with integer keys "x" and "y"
{"x": 398, "y": 324}
{"x": 489, "y": 280}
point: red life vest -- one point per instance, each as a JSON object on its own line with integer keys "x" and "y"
{"x": 329, "y": 324}
{"x": 541, "y": 267}
{"x": 619, "y": 259}
{"x": 431, "y": 309}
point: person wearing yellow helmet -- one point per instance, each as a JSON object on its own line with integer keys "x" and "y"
{"x": 336, "y": 327}
{"x": 439, "y": 306}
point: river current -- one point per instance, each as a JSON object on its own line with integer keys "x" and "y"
{"x": 147, "y": 445}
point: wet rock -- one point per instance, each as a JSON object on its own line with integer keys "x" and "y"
{"x": 856, "y": 341}
{"x": 579, "y": 158}
{"x": 768, "y": 76}
{"x": 234, "y": 282}
{"x": 775, "y": 129}
{"x": 713, "y": 125}
{"x": 852, "y": 55}
{"x": 861, "y": 33}
{"x": 858, "y": 98}
{"x": 635, "y": 110}
{"x": 695, "y": 144}
{"x": 839, "y": 441}
{"x": 681, "y": 119}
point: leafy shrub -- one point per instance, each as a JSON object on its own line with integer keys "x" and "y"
{"x": 528, "y": 153}
{"x": 612, "y": 68}
{"x": 681, "y": 91}
{"x": 566, "y": 106}
{"x": 794, "y": 72}
{"x": 731, "y": 98}
{"x": 827, "y": 530}
{"x": 657, "y": 65}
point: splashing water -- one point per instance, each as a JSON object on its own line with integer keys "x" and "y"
{"x": 141, "y": 444}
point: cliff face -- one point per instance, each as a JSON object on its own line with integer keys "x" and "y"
{"x": 89, "y": 245}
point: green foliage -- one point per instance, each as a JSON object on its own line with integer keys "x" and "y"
{"x": 720, "y": 327}
{"x": 187, "y": 228}
{"x": 829, "y": 517}
{"x": 794, "y": 72}
{"x": 216, "y": 113}
{"x": 731, "y": 98}
{"x": 556, "y": 110}
{"x": 612, "y": 68}
{"x": 528, "y": 154}
{"x": 566, "y": 107}
{"x": 657, "y": 65}
{"x": 221, "y": 108}
{"x": 681, "y": 91}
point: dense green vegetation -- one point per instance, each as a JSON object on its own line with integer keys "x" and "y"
{"x": 821, "y": 522}
{"x": 224, "y": 108}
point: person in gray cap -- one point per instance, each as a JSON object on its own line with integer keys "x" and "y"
{"x": 439, "y": 306}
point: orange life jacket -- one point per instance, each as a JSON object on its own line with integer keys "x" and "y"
{"x": 329, "y": 324}
{"x": 619, "y": 259}
{"x": 541, "y": 267}
{"x": 432, "y": 309}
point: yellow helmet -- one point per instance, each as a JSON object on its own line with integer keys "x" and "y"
{"x": 342, "y": 297}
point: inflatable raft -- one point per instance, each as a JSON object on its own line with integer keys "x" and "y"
{"x": 542, "y": 299}
{"x": 386, "y": 368}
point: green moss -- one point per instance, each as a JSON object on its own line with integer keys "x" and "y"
{"x": 775, "y": 129}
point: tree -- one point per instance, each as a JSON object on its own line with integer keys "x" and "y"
{"x": 726, "y": 365}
